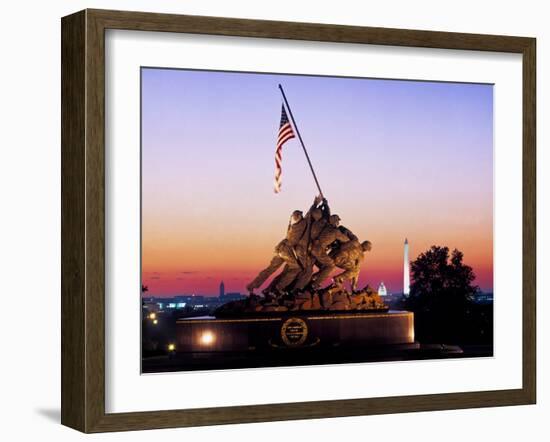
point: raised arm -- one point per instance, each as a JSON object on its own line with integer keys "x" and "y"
{"x": 316, "y": 202}
{"x": 341, "y": 236}
{"x": 325, "y": 208}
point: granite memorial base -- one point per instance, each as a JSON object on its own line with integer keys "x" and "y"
{"x": 295, "y": 330}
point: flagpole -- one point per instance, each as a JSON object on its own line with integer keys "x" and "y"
{"x": 301, "y": 141}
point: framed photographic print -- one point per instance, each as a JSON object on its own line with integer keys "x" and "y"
{"x": 268, "y": 220}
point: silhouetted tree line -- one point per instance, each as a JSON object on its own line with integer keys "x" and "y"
{"x": 442, "y": 298}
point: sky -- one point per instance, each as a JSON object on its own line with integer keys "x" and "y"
{"x": 396, "y": 159}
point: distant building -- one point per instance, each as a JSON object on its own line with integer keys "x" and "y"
{"x": 222, "y": 289}
{"x": 191, "y": 299}
{"x": 151, "y": 306}
{"x": 406, "y": 270}
{"x": 382, "y": 289}
{"x": 185, "y": 304}
{"x": 174, "y": 304}
{"x": 483, "y": 298}
{"x": 232, "y": 296}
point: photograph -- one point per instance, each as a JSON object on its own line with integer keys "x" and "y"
{"x": 298, "y": 220}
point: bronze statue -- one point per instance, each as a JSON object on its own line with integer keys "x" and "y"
{"x": 316, "y": 240}
{"x": 284, "y": 251}
{"x": 318, "y": 219}
{"x": 319, "y": 250}
{"x": 347, "y": 232}
{"x": 282, "y": 254}
{"x": 349, "y": 257}
{"x": 287, "y": 252}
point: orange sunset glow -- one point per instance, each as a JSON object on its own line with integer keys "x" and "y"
{"x": 395, "y": 159}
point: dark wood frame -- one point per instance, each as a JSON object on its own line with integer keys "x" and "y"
{"x": 83, "y": 217}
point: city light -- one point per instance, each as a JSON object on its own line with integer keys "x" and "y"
{"x": 152, "y": 316}
{"x": 207, "y": 338}
{"x": 171, "y": 347}
{"x": 155, "y": 321}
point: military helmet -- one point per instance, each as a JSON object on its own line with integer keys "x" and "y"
{"x": 366, "y": 246}
{"x": 334, "y": 219}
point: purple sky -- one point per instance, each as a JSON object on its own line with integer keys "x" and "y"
{"x": 395, "y": 159}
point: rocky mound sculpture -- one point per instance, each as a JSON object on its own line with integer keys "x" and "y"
{"x": 330, "y": 299}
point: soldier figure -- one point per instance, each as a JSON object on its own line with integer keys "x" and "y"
{"x": 317, "y": 222}
{"x": 292, "y": 276}
{"x": 326, "y": 237}
{"x": 317, "y": 218}
{"x": 349, "y": 257}
{"x": 287, "y": 252}
{"x": 315, "y": 239}
{"x": 284, "y": 252}
{"x": 348, "y": 233}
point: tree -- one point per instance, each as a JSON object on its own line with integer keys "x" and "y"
{"x": 441, "y": 295}
{"x": 144, "y": 289}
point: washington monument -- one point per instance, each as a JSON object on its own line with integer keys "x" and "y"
{"x": 406, "y": 270}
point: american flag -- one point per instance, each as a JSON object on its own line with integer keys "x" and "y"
{"x": 285, "y": 133}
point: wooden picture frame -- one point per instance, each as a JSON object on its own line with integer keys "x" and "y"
{"x": 83, "y": 220}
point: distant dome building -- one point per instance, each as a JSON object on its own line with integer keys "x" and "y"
{"x": 382, "y": 291}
